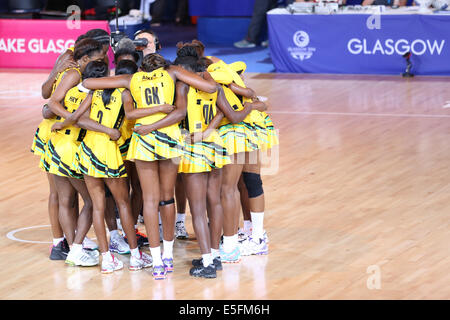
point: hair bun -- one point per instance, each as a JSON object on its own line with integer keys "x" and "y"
{"x": 187, "y": 51}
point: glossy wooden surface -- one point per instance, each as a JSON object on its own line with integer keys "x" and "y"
{"x": 362, "y": 184}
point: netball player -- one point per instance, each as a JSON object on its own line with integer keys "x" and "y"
{"x": 100, "y": 161}
{"x": 62, "y": 149}
{"x": 154, "y": 150}
{"x": 251, "y": 188}
{"x": 200, "y": 165}
{"x": 241, "y": 139}
{"x": 85, "y": 51}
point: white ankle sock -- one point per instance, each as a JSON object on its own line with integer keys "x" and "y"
{"x": 207, "y": 259}
{"x": 114, "y": 234}
{"x": 167, "y": 249}
{"x": 56, "y": 241}
{"x": 229, "y": 243}
{"x": 247, "y": 225}
{"x": 215, "y": 253}
{"x": 156, "y": 255}
{"x": 135, "y": 253}
{"x": 257, "y": 225}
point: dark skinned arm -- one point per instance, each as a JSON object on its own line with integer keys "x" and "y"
{"x": 174, "y": 117}
{"x": 63, "y": 62}
{"x": 81, "y": 118}
{"x": 228, "y": 111}
{"x": 206, "y": 84}
{"x": 121, "y": 81}
{"x": 47, "y": 113}
{"x": 196, "y": 137}
{"x": 257, "y": 105}
{"x": 132, "y": 114}
{"x": 73, "y": 118}
{"x": 87, "y": 123}
{"x": 69, "y": 80}
{"x": 241, "y": 91}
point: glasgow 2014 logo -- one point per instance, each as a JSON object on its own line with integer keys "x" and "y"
{"x": 301, "y": 51}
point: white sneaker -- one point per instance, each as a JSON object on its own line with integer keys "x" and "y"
{"x": 109, "y": 266}
{"x": 81, "y": 258}
{"x": 89, "y": 244}
{"x": 119, "y": 245}
{"x": 145, "y": 261}
{"x": 252, "y": 246}
{"x": 243, "y": 234}
{"x": 180, "y": 230}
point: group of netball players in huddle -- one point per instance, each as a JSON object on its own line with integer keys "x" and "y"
{"x": 132, "y": 141}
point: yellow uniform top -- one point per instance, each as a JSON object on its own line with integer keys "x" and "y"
{"x": 61, "y": 75}
{"x": 150, "y": 89}
{"x": 71, "y": 48}
{"x": 111, "y": 115}
{"x": 201, "y": 109}
{"x": 72, "y": 101}
{"x": 57, "y": 82}
{"x": 220, "y": 73}
{"x": 218, "y": 70}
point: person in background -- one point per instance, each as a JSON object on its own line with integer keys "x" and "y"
{"x": 153, "y": 41}
{"x": 257, "y": 24}
{"x": 389, "y": 3}
{"x": 179, "y": 11}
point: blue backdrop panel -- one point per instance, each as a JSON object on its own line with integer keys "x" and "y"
{"x": 222, "y": 30}
{"x": 221, "y": 8}
{"x": 345, "y": 43}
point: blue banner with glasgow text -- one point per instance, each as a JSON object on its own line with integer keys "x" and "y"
{"x": 360, "y": 43}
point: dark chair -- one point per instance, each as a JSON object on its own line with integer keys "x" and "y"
{"x": 25, "y": 6}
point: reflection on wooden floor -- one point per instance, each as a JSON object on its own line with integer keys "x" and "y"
{"x": 362, "y": 190}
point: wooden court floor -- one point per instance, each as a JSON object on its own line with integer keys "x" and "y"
{"x": 357, "y": 200}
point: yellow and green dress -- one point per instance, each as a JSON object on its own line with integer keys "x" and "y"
{"x": 150, "y": 89}
{"x": 242, "y": 136}
{"x": 63, "y": 145}
{"x": 126, "y": 131}
{"x": 209, "y": 154}
{"x": 43, "y": 131}
{"x": 99, "y": 156}
{"x": 261, "y": 120}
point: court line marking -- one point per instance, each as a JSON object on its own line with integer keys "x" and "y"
{"x": 10, "y": 235}
{"x": 362, "y": 114}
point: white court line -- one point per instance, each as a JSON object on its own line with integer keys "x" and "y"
{"x": 11, "y": 236}
{"x": 362, "y": 114}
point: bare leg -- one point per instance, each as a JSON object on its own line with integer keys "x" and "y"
{"x": 168, "y": 170}
{"x": 214, "y": 205}
{"x": 84, "y": 221}
{"x": 66, "y": 200}
{"x": 119, "y": 189}
{"x": 136, "y": 191}
{"x": 244, "y": 199}
{"x": 96, "y": 188}
{"x": 149, "y": 179}
{"x": 53, "y": 207}
{"x": 196, "y": 184}
{"x": 230, "y": 178}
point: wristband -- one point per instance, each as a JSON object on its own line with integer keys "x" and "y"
{"x": 82, "y": 89}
